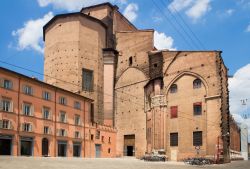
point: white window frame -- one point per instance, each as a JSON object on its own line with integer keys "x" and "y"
{"x": 63, "y": 100}
{"x": 31, "y": 109}
{"x": 27, "y": 90}
{"x": 5, "y": 124}
{"x": 65, "y": 117}
{"x": 46, "y": 113}
{"x": 27, "y": 127}
{"x": 46, "y": 95}
{"x": 77, "y": 120}
{"x": 3, "y": 103}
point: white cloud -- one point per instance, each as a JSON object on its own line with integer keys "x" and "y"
{"x": 69, "y": 5}
{"x": 30, "y": 36}
{"x": 161, "y": 41}
{"x": 239, "y": 89}
{"x": 194, "y": 9}
{"x": 248, "y": 28}
{"x": 130, "y": 12}
{"x": 199, "y": 9}
{"x": 74, "y": 5}
{"x": 179, "y": 5}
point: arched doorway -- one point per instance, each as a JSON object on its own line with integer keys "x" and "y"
{"x": 45, "y": 147}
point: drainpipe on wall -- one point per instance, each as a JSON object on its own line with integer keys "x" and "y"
{"x": 55, "y": 126}
{"x": 84, "y": 139}
{"x": 18, "y": 116}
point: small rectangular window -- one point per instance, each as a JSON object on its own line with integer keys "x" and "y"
{"x": 97, "y": 135}
{"x": 103, "y": 139}
{"x": 46, "y": 113}
{"x": 5, "y": 124}
{"x": 7, "y": 84}
{"x": 77, "y": 134}
{"x": 109, "y": 140}
{"x": 173, "y": 112}
{"x": 92, "y": 137}
{"x": 63, "y": 100}
{"x": 77, "y": 120}
{"x": 77, "y": 105}
{"x": 197, "y": 138}
{"x": 27, "y": 109}
{"x": 46, "y": 130}
{"x": 63, "y": 117}
{"x": 87, "y": 80}
{"x": 27, "y": 90}
{"x": 6, "y": 105}
{"x": 197, "y": 108}
{"x": 62, "y": 133}
{"x": 46, "y": 95}
{"x": 173, "y": 139}
{"x": 27, "y": 127}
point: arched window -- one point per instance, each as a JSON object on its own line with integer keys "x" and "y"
{"x": 197, "y": 83}
{"x": 173, "y": 88}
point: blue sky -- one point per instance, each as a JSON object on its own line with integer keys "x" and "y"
{"x": 219, "y": 25}
{"x": 223, "y": 26}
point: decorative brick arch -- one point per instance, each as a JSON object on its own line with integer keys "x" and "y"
{"x": 189, "y": 73}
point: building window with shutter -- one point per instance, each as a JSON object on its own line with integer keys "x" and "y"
{"x": 62, "y": 133}
{"x": 197, "y": 108}
{"x": 62, "y": 117}
{"x": 5, "y": 83}
{"x": 27, "y": 109}
{"x": 5, "y": 124}
{"x": 77, "y": 105}
{"x": 173, "y": 112}
{"x": 27, "y": 90}
{"x": 77, "y": 134}
{"x": 173, "y": 88}
{"x": 6, "y": 105}
{"x": 46, "y": 95}
{"x": 62, "y": 100}
{"x": 197, "y": 84}
{"x": 173, "y": 139}
{"x": 46, "y": 130}
{"x": 197, "y": 138}
{"x": 87, "y": 80}
{"x": 46, "y": 113}
{"x": 77, "y": 120}
{"x": 27, "y": 127}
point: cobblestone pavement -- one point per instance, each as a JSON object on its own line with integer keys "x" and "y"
{"x": 118, "y": 163}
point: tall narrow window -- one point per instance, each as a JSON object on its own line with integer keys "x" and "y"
{"x": 173, "y": 88}
{"x": 197, "y": 108}
{"x": 62, "y": 100}
{"x": 6, "y": 105}
{"x": 197, "y": 138}
{"x": 5, "y": 124}
{"x": 27, "y": 90}
{"x": 87, "y": 80}
{"x": 63, "y": 117}
{"x": 92, "y": 113}
{"x": 197, "y": 83}
{"x": 7, "y": 84}
{"x": 46, "y": 95}
{"x": 77, "y": 105}
{"x": 46, "y": 112}
{"x": 130, "y": 61}
{"x": 28, "y": 109}
{"x": 77, "y": 120}
{"x": 173, "y": 139}
{"x": 173, "y": 112}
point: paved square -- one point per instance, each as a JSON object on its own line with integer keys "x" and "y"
{"x": 117, "y": 163}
